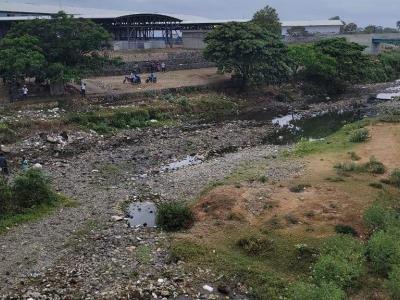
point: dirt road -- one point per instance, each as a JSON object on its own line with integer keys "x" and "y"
{"x": 173, "y": 79}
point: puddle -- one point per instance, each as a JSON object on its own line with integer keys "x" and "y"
{"x": 142, "y": 214}
{"x": 190, "y": 160}
{"x": 317, "y": 127}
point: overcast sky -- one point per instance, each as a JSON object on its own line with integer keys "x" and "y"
{"x": 363, "y": 12}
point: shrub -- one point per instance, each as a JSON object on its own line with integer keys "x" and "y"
{"x": 32, "y": 188}
{"x": 374, "y": 166}
{"x": 7, "y": 135}
{"x": 384, "y": 250}
{"x": 348, "y": 167}
{"x": 354, "y": 156}
{"x": 376, "y": 185}
{"x": 345, "y": 229}
{"x": 5, "y": 196}
{"x": 393, "y": 283}
{"x": 338, "y": 270}
{"x": 395, "y": 178}
{"x": 299, "y": 188}
{"x": 378, "y": 216}
{"x": 255, "y": 244}
{"x": 341, "y": 262}
{"x": 359, "y": 136}
{"x": 306, "y": 291}
{"x": 174, "y": 216}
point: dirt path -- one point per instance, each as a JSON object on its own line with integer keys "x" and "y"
{"x": 173, "y": 79}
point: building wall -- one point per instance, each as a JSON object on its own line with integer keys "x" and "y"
{"x": 316, "y": 29}
{"x": 194, "y": 39}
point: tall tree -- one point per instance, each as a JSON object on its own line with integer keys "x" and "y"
{"x": 21, "y": 57}
{"x": 398, "y": 25}
{"x": 63, "y": 47}
{"x": 350, "y": 28}
{"x": 251, "y": 52}
{"x": 268, "y": 19}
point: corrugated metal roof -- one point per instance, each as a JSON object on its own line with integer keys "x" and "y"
{"x": 23, "y": 18}
{"x": 90, "y": 13}
{"x": 94, "y": 13}
{"x": 312, "y": 23}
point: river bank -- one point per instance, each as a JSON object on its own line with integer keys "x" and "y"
{"x": 85, "y": 252}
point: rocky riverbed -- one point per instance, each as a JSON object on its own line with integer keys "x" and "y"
{"x": 89, "y": 251}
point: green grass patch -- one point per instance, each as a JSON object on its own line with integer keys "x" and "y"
{"x": 336, "y": 142}
{"x": 10, "y": 220}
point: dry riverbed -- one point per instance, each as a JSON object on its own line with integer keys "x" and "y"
{"x": 89, "y": 252}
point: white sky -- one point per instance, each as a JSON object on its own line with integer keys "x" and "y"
{"x": 362, "y": 12}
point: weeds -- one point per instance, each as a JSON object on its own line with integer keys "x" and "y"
{"x": 373, "y": 167}
{"x": 354, "y": 156}
{"x": 345, "y": 229}
{"x": 174, "y": 216}
{"x": 299, "y": 188}
{"x": 359, "y": 136}
{"x": 255, "y": 244}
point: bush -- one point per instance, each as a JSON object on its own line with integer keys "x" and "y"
{"x": 255, "y": 244}
{"x": 306, "y": 291}
{"x": 374, "y": 166}
{"x": 299, "y": 188}
{"x": 5, "y": 196}
{"x": 359, "y": 136}
{"x": 345, "y": 229}
{"x": 376, "y": 185}
{"x": 174, "y": 216}
{"x": 7, "y": 135}
{"x": 32, "y": 188}
{"x": 341, "y": 262}
{"x": 395, "y": 178}
{"x": 384, "y": 250}
{"x": 393, "y": 283}
{"x": 378, "y": 216}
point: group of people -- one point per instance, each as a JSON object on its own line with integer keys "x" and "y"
{"x": 135, "y": 78}
{"x": 4, "y": 170}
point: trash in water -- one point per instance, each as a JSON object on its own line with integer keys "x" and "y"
{"x": 142, "y": 214}
{"x": 190, "y": 160}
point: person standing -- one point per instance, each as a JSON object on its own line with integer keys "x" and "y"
{"x": 163, "y": 67}
{"x": 3, "y": 165}
{"x": 83, "y": 89}
{"x": 25, "y": 92}
{"x": 24, "y": 164}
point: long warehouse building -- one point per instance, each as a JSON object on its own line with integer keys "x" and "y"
{"x": 142, "y": 30}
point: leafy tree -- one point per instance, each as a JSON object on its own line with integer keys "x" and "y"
{"x": 21, "y": 57}
{"x": 57, "y": 49}
{"x": 373, "y": 29}
{"x": 350, "y": 28}
{"x": 251, "y": 52}
{"x": 349, "y": 57}
{"x": 268, "y": 19}
{"x": 398, "y": 25}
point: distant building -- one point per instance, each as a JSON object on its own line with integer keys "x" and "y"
{"x": 322, "y": 27}
{"x": 143, "y": 30}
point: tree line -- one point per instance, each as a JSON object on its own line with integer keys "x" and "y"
{"x": 255, "y": 53}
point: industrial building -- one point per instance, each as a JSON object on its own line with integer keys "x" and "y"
{"x": 143, "y": 30}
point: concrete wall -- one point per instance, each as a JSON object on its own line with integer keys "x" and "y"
{"x": 174, "y": 61}
{"x": 194, "y": 39}
{"x": 366, "y": 40}
{"x": 136, "y": 45}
